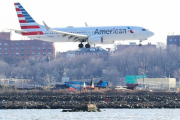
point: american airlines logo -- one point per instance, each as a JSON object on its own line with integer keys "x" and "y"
{"x": 110, "y": 31}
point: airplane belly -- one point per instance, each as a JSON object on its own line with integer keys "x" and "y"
{"x": 55, "y": 39}
{"x": 111, "y": 38}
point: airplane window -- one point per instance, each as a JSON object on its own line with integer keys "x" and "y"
{"x": 143, "y": 29}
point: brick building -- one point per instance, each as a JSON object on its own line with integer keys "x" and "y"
{"x": 23, "y": 49}
{"x": 95, "y": 51}
{"x": 120, "y": 48}
{"x": 5, "y": 36}
{"x": 173, "y": 40}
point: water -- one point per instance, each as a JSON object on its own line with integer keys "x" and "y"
{"x": 108, "y": 114}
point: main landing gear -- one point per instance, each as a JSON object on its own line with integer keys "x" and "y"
{"x": 87, "y": 45}
{"x": 81, "y": 45}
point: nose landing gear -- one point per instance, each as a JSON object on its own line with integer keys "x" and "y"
{"x": 140, "y": 43}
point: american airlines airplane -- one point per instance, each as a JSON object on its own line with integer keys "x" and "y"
{"x": 89, "y": 35}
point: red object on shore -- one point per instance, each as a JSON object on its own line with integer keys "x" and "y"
{"x": 107, "y": 100}
{"x": 70, "y": 88}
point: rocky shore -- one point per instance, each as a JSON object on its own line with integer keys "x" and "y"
{"x": 65, "y": 99}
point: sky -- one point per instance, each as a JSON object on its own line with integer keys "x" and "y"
{"x": 159, "y": 16}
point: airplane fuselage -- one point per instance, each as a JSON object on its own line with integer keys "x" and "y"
{"x": 109, "y": 34}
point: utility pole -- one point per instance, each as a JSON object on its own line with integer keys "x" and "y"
{"x": 91, "y": 89}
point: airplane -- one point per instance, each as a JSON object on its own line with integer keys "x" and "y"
{"x": 89, "y": 35}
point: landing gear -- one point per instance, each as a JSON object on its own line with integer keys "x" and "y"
{"x": 81, "y": 45}
{"x": 87, "y": 46}
{"x": 140, "y": 43}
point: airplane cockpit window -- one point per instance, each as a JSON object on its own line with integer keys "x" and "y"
{"x": 143, "y": 29}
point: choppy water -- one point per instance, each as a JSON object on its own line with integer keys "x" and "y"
{"x": 108, "y": 114}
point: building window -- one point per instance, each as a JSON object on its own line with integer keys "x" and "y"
{"x": 17, "y": 54}
{"x": 11, "y": 44}
{"x": 0, "y": 49}
{"x": 0, "y": 44}
{"x": 22, "y": 54}
{"x": 5, "y": 44}
{"x": 44, "y": 53}
{"x": 17, "y": 48}
{"x": 11, "y": 54}
{"x": 33, "y": 48}
{"x": 17, "y": 44}
{"x": 11, "y": 48}
{"x": 49, "y": 53}
{"x": 27, "y": 53}
{"x": 175, "y": 40}
{"x": 49, "y": 48}
{"x": 44, "y": 48}
{"x": 39, "y": 53}
{"x": 22, "y": 48}
{"x": 22, "y": 44}
{"x": 39, "y": 48}
{"x": 33, "y": 53}
{"x": 5, "y": 49}
{"x": 27, "y": 48}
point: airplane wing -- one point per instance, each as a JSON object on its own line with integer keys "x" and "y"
{"x": 70, "y": 36}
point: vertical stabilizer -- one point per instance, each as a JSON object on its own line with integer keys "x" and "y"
{"x": 27, "y": 23}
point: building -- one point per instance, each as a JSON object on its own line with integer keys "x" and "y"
{"x": 5, "y": 36}
{"x": 120, "y": 48}
{"x": 95, "y": 51}
{"x": 157, "y": 83}
{"x": 23, "y": 49}
{"x": 173, "y": 40}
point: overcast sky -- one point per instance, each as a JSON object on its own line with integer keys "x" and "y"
{"x": 160, "y": 16}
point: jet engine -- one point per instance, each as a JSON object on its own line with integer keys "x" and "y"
{"x": 97, "y": 39}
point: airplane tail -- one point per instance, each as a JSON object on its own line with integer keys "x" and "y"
{"x": 27, "y": 23}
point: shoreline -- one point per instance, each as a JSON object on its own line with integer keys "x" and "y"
{"x": 66, "y": 99}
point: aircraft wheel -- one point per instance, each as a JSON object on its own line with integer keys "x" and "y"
{"x": 81, "y": 45}
{"x": 87, "y": 46}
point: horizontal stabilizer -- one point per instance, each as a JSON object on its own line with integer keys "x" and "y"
{"x": 18, "y": 30}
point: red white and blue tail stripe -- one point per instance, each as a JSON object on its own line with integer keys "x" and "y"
{"x": 27, "y": 23}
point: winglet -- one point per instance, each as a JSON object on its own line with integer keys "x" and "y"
{"x": 45, "y": 25}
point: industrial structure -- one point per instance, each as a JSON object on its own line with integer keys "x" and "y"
{"x": 157, "y": 83}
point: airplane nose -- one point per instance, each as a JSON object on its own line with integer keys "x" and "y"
{"x": 150, "y": 33}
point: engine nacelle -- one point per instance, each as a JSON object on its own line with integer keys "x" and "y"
{"x": 96, "y": 39}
